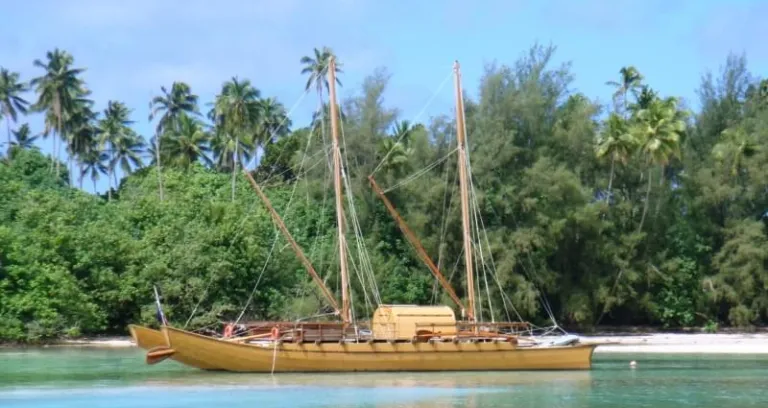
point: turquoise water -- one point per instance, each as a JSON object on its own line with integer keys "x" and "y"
{"x": 95, "y": 378}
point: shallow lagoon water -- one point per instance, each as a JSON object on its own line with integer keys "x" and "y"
{"x": 98, "y": 377}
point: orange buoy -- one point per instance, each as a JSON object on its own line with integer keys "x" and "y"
{"x": 228, "y": 330}
{"x": 275, "y": 333}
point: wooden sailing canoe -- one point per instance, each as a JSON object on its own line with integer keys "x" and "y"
{"x": 147, "y": 338}
{"x": 154, "y": 341}
{"x": 213, "y": 354}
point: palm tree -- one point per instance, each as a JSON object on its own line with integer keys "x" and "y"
{"x": 114, "y": 130}
{"x": 659, "y": 128}
{"x": 56, "y": 89}
{"x": 617, "y": 142}
{"x": 630, "y": 80}
{"x": 395, "y": 155}
{"x": 22, "y": 139}
{"x": 94, "y": 162}
{"x": 273, "y": 121}
{"x": 180, "y": 100}
{"x": 80, "y": 129}
{"x": 235, "y": 113}
{"x": 126, "y": 152}
{"x": 317, "y": 68}
{"x": 11, "y": 102}
{"x": 735, "y": 145}
{"x": 402, "y": 129}
{"x": 186, "y": 143}
{"x": 644, "y": 99}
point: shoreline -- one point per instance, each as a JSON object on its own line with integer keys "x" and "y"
{"x": 652, "y": 343}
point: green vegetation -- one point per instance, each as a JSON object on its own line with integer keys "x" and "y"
{"x": 636, "y": 213}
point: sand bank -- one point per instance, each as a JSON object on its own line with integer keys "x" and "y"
{"x": 684, "y": 343}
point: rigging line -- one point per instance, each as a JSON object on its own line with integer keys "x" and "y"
{"x": 205, "y": 292}
{"x": 360, "y": 275}
{"x": 421, "y": 172}
{"x": 545, "y": 303}
{"x": 360, "y": 240}
{"x": 528, "y": 274}
{"x": 446, "y": 207}
{"x": 493, "y": 263}
{"x": 274, "y": 241}
{"x": 476, "y": 215}
{"x": 450, "y": 277}
{"x": 282, "y": 122}
{"x": 421, "y": 112}
{"x": 258, "y": 280}
{"x": 478, "y": 223}
{"x": 298, "y": 174}
{"x": 238, "y": 230}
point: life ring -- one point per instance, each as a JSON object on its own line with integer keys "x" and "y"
{"x": 275, "y": 333}
{"x": 228, "y": 330}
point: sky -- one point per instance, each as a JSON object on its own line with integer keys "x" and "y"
{"x": 130, "y": 49}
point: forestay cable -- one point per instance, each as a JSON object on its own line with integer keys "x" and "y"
{"x": 418, "y": 115}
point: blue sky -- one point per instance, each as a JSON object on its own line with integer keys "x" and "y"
{"x": 132, "y": 48}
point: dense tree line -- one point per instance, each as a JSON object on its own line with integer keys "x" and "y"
{"x": 638, "y": 212}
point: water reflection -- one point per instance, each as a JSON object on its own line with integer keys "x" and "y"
{"x": 399, "y": 380}
{"x": 119, "y": 378}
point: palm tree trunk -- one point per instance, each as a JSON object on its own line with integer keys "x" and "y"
{"x": 58, "y": 131}
{"x": 159, "y": 169}
{"x": 8, "y": 125}
{"x": 69, "y": 166}
{"x": 109, "y": 183}
{"x": 234, "y": 169}
{"x": 661, "y": 185}
{"x": 645, "y": 205}
{"x": 94, "y": 185}
{"x": 53, "y": 150}
{"x": 610, "y": 178}
{"x": 114, "y": 174}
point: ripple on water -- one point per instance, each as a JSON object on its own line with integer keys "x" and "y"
{"x": 88, "y": 378}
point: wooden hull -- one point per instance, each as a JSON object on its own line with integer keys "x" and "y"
{"x": 212, "y": 354}
{"x": 147, "y": 338}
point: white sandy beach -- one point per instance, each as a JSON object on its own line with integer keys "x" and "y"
{"x": 684, "y": 343}
{"x": 649, "y": 343}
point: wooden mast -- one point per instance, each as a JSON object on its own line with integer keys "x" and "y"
{"x": 345, "y": 315}
{"x": 460, "y": 138}
{"x": 417, "y": 245}
{"x": 296, "y": 248}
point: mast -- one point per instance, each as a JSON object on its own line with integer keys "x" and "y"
{"x": 417, "y": 245}
{"x": 289, "y": 237}
{"x": 460, "y": 138}
{"x": 345, "y": 316}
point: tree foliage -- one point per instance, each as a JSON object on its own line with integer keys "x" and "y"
{"x": 634, "y": 212}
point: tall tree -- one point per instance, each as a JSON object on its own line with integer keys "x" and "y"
{"x": 273, "y": 121}
{"x": 317, "y": 68}
{"x": 11, "y": 102}
{"x": 22, "y": 139}
{"x": 94, "y": 162}
{"x": 80, "y": 129}
{"x": 57, "y": 89}
{"x": 235, "y": 112}
{"x": 116, "y": 137}
{"x": 170, "y": 106}
{"x": 617, "y": 142}
{"x": 186, "y": 143}
{"x": 630, "y": 80}
{"x": 659, "y": 128}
